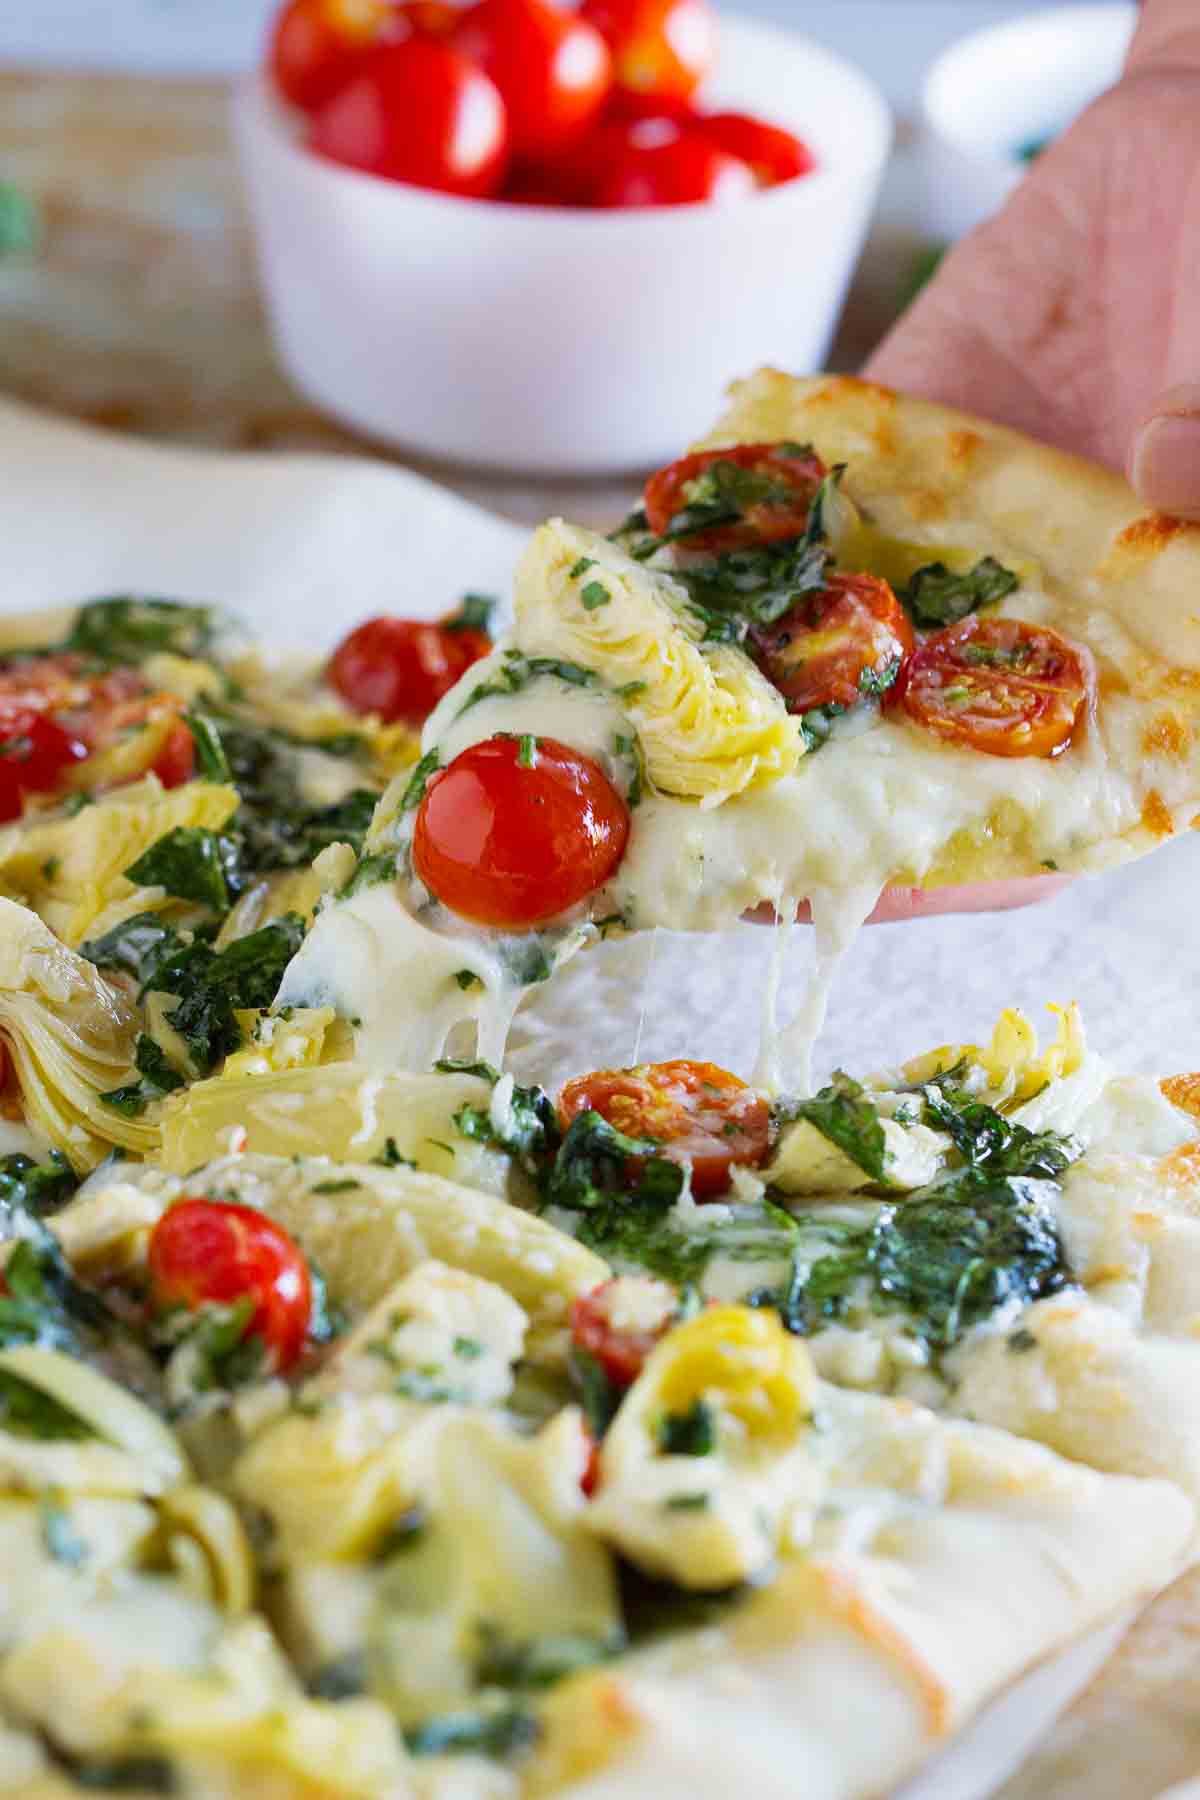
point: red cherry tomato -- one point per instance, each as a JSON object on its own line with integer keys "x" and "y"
{"x": 35, "y": 754}
{"x": 850, "y": 639}
{"x": 775, "y": 155}
{"x": 696, "y": 1112}
{"x": 418, "y": 112}
{"x": 552, "y": 68}
{"x": 660, "y": 47}
{"x": 176, "y": 761}
{"x": 773, "y": 495}
{"x": 510, "y": 845}
{"x": 429, "y": 18}
{"x": 400, "y": 668}
{"x": 681, "y": 169}
{"x": 619, "y": 1345}
{"x": 211, "y": 1251}
{"x": 998, "y": 685}
{"x": 317, "y": 45}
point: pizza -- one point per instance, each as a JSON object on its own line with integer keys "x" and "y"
{"x": 855, "y": 640}
{"x": 372, "y": 1424}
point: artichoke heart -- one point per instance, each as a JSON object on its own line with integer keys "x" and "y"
{"x": 710, "y": 723}
{"x": 71, "y": 1038}
{"x": 70, "y": 870}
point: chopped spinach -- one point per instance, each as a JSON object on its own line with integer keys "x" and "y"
{"x": 132, "y": 1774}
{"x": 599, "y": 1395}
{"x": 530, "y": 1130}
{"x": 372, "y": 871}
{"x": 211, "y": 760}
{"x": 538, "y": 1663}
{"x": 343, "y": 1679}
{"x": 216, "y": 984}
{"x": 611, "y": 1178}
{"x": 127, "y": 628}
{"x": 954, "y": 1254}
{"x": 418, "y": 781}
{"x": 474, "y": 614}
{"x": 491, "y": 1731}
{"x": 935, "y": 595}
{"x": 135, "y": 947}
{"x": 159, "y": 1077}
{"x": 989, "y": 1142}
{"x": 26, "y": 1411}
{"x": 42, "y": 1302}
{"x": 690, "y": 1433}
{"x": 38, "y": 1188}
{"x": 843, "y": 1113}
{"x": 223, "y": 1353}
{"x": 516, "y": 671}
{"x": 275, "y": 827}
{"x": 192, "y": 863}
{"x": 390, "y": 1158}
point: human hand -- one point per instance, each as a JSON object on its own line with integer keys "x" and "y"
{"x": 1074, "y": 314}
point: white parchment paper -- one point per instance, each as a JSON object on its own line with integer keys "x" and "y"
{"x": 303, "y": 547}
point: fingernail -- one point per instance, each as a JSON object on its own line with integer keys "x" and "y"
{"x": 1165, "y": 465}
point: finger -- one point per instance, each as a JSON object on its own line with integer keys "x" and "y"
{"x": 900, "y": 903}
{"x": 1167, "y": 37}
{"x": 1164, "y": 454}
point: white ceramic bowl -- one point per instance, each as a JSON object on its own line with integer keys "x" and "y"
{"x": 555, "y": 340}
{"x": 1001, "y": 88}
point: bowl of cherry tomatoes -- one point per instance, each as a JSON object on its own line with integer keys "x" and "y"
{"x": 520, "y": 234}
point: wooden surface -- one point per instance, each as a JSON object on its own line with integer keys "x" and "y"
{"x": 139, "y": 310}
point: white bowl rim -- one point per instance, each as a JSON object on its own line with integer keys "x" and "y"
{"x": 996, "y": 38}
{"x": 259, "y": 108}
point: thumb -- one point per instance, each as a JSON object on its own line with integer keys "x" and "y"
{"x": 1164, "y": 462}
{"x": 1164, "y": 455}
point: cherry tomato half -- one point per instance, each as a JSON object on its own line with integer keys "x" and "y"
{"x": 418, "y": 112}
{"x": 680, "y": 169}
{"x": 769, "y": 489}
{"x": 317, "y": 45}
{"x": 850, "y": 639}
{"x": 620, "y": 1322}
{"x": 552, "y": 68}
{"x": 176, "y": 761}
{"x": 35, "y": 754}
{"x": 998, "y": 685}
{"x": 696, "y": 1112}
{"x": 400, "y": 668}
{"x": 212, "y": 1251}
{"x": 509, "y": 842}
{"x": 775, "y": 155}
{"x": 660, "y": 47}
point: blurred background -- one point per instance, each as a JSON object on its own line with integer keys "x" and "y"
{"x": 128, "y": 289}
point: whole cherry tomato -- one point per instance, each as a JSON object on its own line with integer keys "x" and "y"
{"x": 849, "y": 639}
{"x": 317, "y": 45}
{"x": 429, "y": 18}
{"x": 660, "y": 47}
{"x": 695, "y": 1112}
{"x": 775, "y": 155}
{"x": 418, "y": 112}
{"x": 766, "y": 490}
{"x": 516, "y": 830}
{"x": 662, "y": 165}
{"x": 620, "y": 1322}
{"x": 552, "y": 68}
{"x": 400, "y": 668}
{"x": 214, "y": 1252}
{"x": 997, "y": 685}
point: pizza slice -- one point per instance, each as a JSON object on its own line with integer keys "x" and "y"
{"x": 308, "y": 1475}
{"x": 854, "y": 641}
